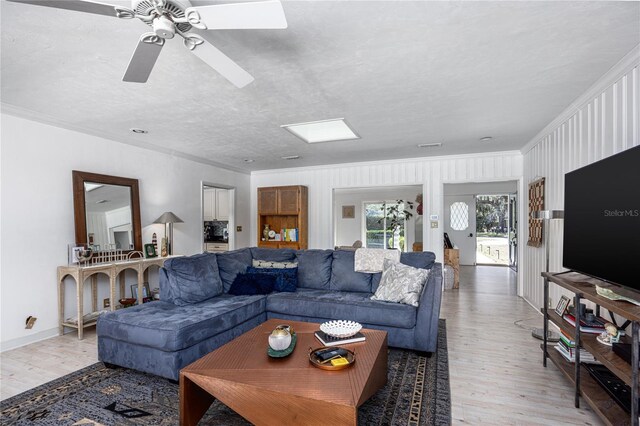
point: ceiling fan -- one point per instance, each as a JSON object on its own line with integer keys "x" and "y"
{"x": 168, "y": 18}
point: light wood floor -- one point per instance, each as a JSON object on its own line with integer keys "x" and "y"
{"x": 496, "y": 370}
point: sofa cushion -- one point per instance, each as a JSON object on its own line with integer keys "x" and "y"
{"x": 418, "y": 259}
{"x": 401, "y": 283}
{"x": 314, "y": 268}
{"x": 424, "y": 260}
{"x": 274, "y": 255}
{"x": 286, "y": 278}
{"x": 313, "y": 303}
{"x": 231, "y": 263}
{"x": 190, "y": 279}
{"x": 257, "y": 263}
{"x": 168, "y": 327}
{"x": 250, "y": 283}
{"x": 343, "y": 275}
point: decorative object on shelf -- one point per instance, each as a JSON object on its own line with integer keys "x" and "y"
{"x": 150, "y": 250}
{"x": 419, "y": 206}
{"x": 536, "y": 204}
{"x": 271, "y": 235}
{"x": 128, "y": 301}
{"x": 155, "y": 294}
{"x": 348, "y": 212}
{"x": 610, "y": 336}
{"x": 280, "y": 338}
{"x": 546, "y": 216}
{"x": 265, "y": 232}
{"x": 168, "y": 219}
{"x": 331, "y": 358}
{"x": 341, "y": 328}
{"x": 163, "y": 251}
{"x": 134, "y": 254}
{"x": 146, "y": 292}
{"x": 611, "y": 295}
{"x": 154, "y": 240}
{"x": 562, "y": 305}
{"x": 79, "y": 253}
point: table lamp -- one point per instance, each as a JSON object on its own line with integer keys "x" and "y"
{"x": 168, "y": 218}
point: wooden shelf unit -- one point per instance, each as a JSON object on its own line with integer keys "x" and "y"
{"x": 283, "y": 207}
{"x": 584, "y": 287}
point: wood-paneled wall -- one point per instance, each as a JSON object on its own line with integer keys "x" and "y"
{"x": 431, "y": 172}
{"x": 603, "y": 122}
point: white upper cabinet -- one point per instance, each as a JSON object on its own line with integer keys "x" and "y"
{"x": 216, "y": 204}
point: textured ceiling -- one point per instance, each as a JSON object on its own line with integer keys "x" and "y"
{"x": 401, "y": 73}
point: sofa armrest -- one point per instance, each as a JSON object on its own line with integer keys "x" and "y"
{"x": 426, "y": 331}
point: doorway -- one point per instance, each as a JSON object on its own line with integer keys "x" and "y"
{"x": 480, "y": 221}
{"x": 218, "y": 213}
{"x": 492, "y": 229}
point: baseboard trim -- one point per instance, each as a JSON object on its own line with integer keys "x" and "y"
{"x": 26, "y": 340}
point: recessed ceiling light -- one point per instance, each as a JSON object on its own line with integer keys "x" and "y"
{"x": 290, "y": 157}
{"x": 335, "y": 129}
{"x": 142, "y": 131}
{"x": 248, "y": 160}
{"x": 429, "y": 145}
{"x": 486, "y": 139}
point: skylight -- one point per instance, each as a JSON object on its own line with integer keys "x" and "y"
{"x": 335, "y": 129}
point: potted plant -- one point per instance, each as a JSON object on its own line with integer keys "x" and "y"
{"x": 395, "y": 214}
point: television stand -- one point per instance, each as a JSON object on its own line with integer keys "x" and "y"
{"x": 584, "y": 287}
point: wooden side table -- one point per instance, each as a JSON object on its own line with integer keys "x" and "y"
{"x": 452, "y": 258}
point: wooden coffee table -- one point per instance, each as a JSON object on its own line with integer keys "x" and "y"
{"x": 283, "y": 391}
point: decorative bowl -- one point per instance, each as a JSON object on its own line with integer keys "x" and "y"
{"x": 341, "y": 328}
{"x": 130, "y": 301}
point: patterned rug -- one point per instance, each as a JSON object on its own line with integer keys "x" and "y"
{"x": 417, "y": 393}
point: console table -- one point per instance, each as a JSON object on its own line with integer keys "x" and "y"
{"x": 80, "y": 273}
{"x": 584, "y": 287}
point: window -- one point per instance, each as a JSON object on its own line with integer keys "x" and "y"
{"x": 377, "y": 232}
{"x": 459, "y": 218}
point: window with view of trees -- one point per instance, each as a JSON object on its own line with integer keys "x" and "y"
{"x": 377, "y": 232}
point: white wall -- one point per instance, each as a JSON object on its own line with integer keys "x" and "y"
{"x": 600, "y": 123}
{"x": 432, "y": 172}
{"x": 347, "y": 231}
{"x": 37, "y": 210}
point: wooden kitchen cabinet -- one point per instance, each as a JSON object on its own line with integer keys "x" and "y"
{"x": 283, "y": 207}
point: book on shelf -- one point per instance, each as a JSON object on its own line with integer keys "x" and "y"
{"x": 327, "y": 340}
{"x": 583, "y": 328}
{"x": 585, "y": 356}
{"x": 598, "y": 322}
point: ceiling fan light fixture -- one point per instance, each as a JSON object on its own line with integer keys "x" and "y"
{"x": 336, "y": 129}
{"x": 163, "y": 27}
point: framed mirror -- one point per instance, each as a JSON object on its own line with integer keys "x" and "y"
{"x": 107, "y": 211}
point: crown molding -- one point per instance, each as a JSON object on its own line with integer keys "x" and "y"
{"x": 627, "y": 63}
{"x": 51, "y": 121}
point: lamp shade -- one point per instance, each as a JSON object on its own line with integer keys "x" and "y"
{"x": 168, "y": 217}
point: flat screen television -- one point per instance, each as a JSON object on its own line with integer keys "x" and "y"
{"x": 602, "y": 219}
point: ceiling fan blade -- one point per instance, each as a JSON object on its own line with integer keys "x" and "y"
{"x": 78, "y": 5}
{"x": 144, "y": 58}
{"x": 256, "y": 15}
{"x": 218, "y": 61}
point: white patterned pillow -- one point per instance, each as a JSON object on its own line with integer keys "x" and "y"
{"x": 401, "y": 283}
{"x": 257, "y": 263}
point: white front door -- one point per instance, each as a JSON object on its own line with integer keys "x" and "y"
{"x": 460, "y": 225}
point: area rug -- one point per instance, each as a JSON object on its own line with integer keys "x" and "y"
{"x": 417, "y": 393}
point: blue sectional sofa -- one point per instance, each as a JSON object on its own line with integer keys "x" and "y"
{"x": 196, "y": 313}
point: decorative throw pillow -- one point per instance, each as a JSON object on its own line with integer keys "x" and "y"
{"x": 252, "y": 284}
{"x": 401, "y": 283}
{"x": 286, "y": 278}
{"x": 257, "y": 263}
